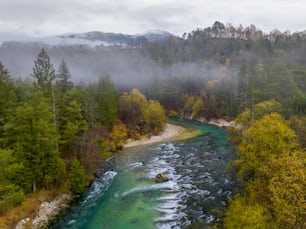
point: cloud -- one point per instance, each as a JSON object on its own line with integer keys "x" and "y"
{"x": 42, "y": 18}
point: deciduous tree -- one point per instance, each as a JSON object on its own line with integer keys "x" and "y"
{"x": 155, "y": 117}
{"x": 267, "y": 139}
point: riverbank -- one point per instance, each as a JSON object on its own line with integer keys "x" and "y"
{"x": 218, "y": 122}
{"x": 48, "y": 211}
{"x": 177, "y": 133}
{"x": 35, "y": 210}
{"x": 171, "y": 132}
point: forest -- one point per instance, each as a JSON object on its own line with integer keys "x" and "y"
{"x": 55, "y": 133}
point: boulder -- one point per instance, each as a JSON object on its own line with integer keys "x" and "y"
{"x": 160, "y": 178}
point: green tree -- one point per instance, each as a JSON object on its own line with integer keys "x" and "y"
{"x": 77, "y": 177}
{"x": 10, "y": 196}
{"x": 280, "y": 85}
{"x": 106, "y": 97}
{"x": 44, "y": 73}
{"x": 63, "y": 81}
{"x": 7, "y": 101}
{"x": 73, "y": 124}
{"x": 8, "y": 166}
{"x": 298, "y": 124}
{"x": 299, "y": 103}
{"x": 104, "y": 146}
{"x": 35, "y": 142}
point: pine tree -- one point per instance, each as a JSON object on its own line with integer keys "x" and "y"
{"x": 106, "y": 95}
{"x": 44, "y": 73}
{"x": 77, "y": 177}
{"x": 63, "y": 78}
{"x": 10, "y": 195}
{"x": 35, "y": 143}
{"x": 7, "y": 100}
{"x": 73, "y": 124}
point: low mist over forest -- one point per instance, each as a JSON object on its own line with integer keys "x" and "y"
{"x": 244, "y": 61}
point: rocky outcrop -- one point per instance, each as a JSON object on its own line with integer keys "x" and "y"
{"x": 161, "y": 177}
{"x": 49, "y": 211}
{"x": 22, "y": 223}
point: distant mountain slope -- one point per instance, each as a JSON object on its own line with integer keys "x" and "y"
{"x": 116, "y": 38}
{"x": 95, "y": 38}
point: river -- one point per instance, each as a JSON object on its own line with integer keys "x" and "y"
{"x": 127, "y": 197}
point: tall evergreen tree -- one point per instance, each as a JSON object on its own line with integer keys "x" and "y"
{"x": 44, "y": 73}
{"x": 7, "y": 99}
{"x": 63, "y": 78}
{"x": 35, "y": 142}
{"x": 77, "y": 177}
{"x": 106, "y": 95}
{"x": 73, "y": 124}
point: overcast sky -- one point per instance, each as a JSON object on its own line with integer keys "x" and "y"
{"x": 20, "y": 18}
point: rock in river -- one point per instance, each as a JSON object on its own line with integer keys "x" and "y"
{"x": 160, "y": 178}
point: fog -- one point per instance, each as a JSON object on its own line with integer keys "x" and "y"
{"x": 126, "y": 67}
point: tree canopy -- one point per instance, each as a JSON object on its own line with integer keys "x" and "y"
{"x": 271, "y": 168}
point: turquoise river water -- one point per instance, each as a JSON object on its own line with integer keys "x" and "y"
{"x": 126, "y": 196}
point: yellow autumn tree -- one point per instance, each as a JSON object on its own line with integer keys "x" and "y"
{"x": 131, "y": 109}
{"x": 245, "y": 214}
{"x": 267, "y": 139}
{"x": 118, "y": 136}
{"x": 139, "y": 115}
{"x": 286, "y": 190}
{"x": 271, "y": 168}
{"x": 155, "y": 117}
{"x": 193, "y": 104}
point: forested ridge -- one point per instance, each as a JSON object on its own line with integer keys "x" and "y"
{"x": 55, "y": 133}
